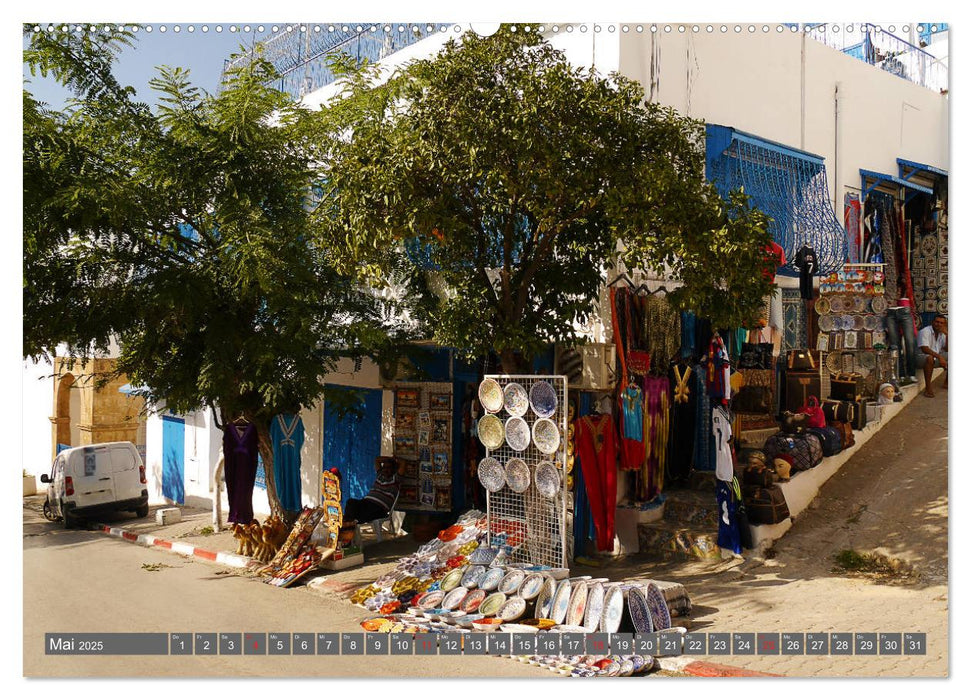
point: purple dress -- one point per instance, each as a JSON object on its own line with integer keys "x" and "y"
{"x": 240, "y": 452}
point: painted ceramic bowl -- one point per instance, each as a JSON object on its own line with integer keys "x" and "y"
{"x": 547, "y": 479}
{"x": 484, "y": 555}
{"x": 509, "y": 627}
{"x": 472, "y": 576}
{"x": 595, "y": 607}
{"x": 542, "y": 399}
{"x": 471, "y": 602}
{"x": 517, "y": 475}
{"x": 561, "y": 602}
{"x": 430, "y": 600}
{"x": 531, "y": 586}
{"x": 512, "y": 609}
{"x": 491, "y": 474}
{"x": 454, "y": 597}
{"x": 511, "y": 581}
{"x": 578, "y": 604}
{"x": 613, "y": 612}
{"x": 544, "y": 601}
{"x": 546, "y": 436}
{"x": 515, "y": 399}
{"x": 483, "y": 626}
{"x": 490, "y": 580}
{"x": 452, "y": 579}
{"x": 517, "y": 434}
{"x": 490, "y": 395}
{"x": 491, "y": 433}
{"x": 492, "y": 604}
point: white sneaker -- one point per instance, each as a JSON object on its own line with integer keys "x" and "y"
{"x": 913, "y": 378}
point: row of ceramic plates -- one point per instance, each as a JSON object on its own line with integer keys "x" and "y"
{"x": 516, "y": 476}
{"x": 516, "y": 433}
{"x": 829, "y": 304}
{"x": 514, "y": 398}
{"x": 855, "y": 322}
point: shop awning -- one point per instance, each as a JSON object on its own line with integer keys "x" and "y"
{"x": 886, "y": 179}
{"x": 909, "y": 168}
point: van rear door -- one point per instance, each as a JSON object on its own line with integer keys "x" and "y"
{"x": 92, "y": 471}
{"x": 124, "y": 466}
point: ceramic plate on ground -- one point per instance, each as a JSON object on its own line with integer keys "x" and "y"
{"x": 569, "y": 629}
{"x": 491, "y": 475}
{"x": 490, "y": 395}
{"x": 822, "y": 306}
{"x": 613, "y": 612}
{"x": 517, "y": 475}
{"x": 544, "y": 602}
{"x": 547, "y": 479}
{"x": 578, "y": 604}
{"x": 561, "y": 602}
{"x": 430, "y": 600}
{"x": 826, "y": 323}
{"x": 542, "y": 399}
{"x": 513, "y": 609}
{"x": 490, "y": 580}
{"x": 483, "y": 555}
{"x": 515, "y": 399}
{"x": 452, "y": 579}
{"x": 509, "y": 627}
{"x": 640, "y": 611}
{"x": 660, "y": 614}
{"x": 490, "y": 432}
{"x": 531, "y": 586}
{"x": 517, "y": 434}
{"x": 472, "y": 576}
{"x": 511, "y": 581}
{"x": 492, "y": 604}
{"x": 454, "y": 597}
{"x": 546, "y": 436}
{"x": 471, "y": 602}
{"x": 595, "y": 607}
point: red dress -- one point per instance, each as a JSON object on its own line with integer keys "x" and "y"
{"x": 597, "y": 449}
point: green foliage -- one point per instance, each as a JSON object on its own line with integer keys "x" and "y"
{"x": 496, "y": 180}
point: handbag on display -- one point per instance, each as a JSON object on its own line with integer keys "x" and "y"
{"x": 860, "y": 414}
{"x": 846, "y": 386}
{"x": 831, "y": 439}
{"x": 794, "y": 423}
{"x": 756, "y": 355}
{"x": 806, "y": 450}
{"x": 817, "y": 419}
{"x": 801, "y": 360}
{"x": 839, "y": 411}
{"x": 765, "y": 505}
{"x": 799, "y": 386}
{"x": 847, "y": 438}
{"x": 758, "y": 475}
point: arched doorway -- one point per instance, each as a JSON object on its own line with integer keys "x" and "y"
{"x": 64, "y": 418}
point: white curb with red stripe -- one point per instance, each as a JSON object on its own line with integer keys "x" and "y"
{"x": 226, "y": 558}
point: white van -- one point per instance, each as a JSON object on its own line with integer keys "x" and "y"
{"x": 92, "y": 478}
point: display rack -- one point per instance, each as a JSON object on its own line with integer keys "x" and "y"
{"x": 531, "y": 528}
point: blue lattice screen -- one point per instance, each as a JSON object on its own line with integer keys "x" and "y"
{"x": 787, "y": 184}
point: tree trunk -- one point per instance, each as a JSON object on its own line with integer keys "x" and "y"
{"x": 266, "y": 452}
{"x": 513, "y": 362}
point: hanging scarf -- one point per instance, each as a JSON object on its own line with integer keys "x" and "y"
{"x": 719, "y": 368}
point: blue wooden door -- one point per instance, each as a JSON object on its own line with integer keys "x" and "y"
{"x": 173, "y": 458}
{"x": 352, "y": 441}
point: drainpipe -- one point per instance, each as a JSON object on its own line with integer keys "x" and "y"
{"x": 802, "y": 90}
{"x": 837, "y": 180}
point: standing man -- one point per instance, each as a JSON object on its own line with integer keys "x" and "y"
{"x": 932, "y": 341}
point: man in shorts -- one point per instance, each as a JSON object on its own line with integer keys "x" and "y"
{"x": 932, "y": 343}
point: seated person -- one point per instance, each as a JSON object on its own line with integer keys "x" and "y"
{"x": 377, "y": 503}
{"x": 932, "y": 345}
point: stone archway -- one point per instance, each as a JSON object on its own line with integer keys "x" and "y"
{"x": 62, "y": 411}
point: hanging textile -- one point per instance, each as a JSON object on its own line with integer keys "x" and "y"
{"x": 702, "y": 456}
{"x": 721, "y": 430}
{"x": 656, "y": 423}
{"x": 905, "y": 282}
{"x": 687, "y": 335}
{"x": 661, "y": 328}
{"x": 583, "y": 526}
{"x": 683, "y": 416}
{"x": 287, "y": 434}
{"x": 618, "y": 337}
{"x": 719, "y": 369}
{"x": 729, "y": 536}
{"x": 240, "y": 453}
{"x": 598, "y": 460}
{"x": 632, "y": 428}
{"x": 851, "y": 219}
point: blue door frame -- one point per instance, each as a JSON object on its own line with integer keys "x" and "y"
{"x": 173, "y": 459}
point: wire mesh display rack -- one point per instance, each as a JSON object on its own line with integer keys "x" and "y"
{"x": 530, "y": 527}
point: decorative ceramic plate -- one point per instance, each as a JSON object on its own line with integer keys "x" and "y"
{"x": 640, "y": 612}
{"x": 491, "y": 475}
{"x": 858, "y": 322}
{"x": 491, "y": 578}
{"x": 517, "y": 434}
{"x": 578, "y": 604}
{"x": 454, "y": 597}
{"x": 942, "y": 306}
{"x": 871, "y": 322}
{"x": 930, "y": 305}
{"x": 547, "y": 479}
{"x": 531, "y": 586}
{"x": 826, "y": 323}
{"x": 490, "y": 432}
{"x": 483, "y": 555}
{"x": 546, "y": 436}
{"x": 544, "y": 602}
{"x": 929, "y": 246}
{"x": 473, "y": 575}
{"x": 930, "y": 293}
{"x": 626, "y": 668}
{"x": 860, "y": 304}
{"x": 595, "y": 607}
{"x": 918, "y": 295}
{"x": 568, "y": 629}
{"x": 515, "y": 399}
{"x": 492, "y": 604}
{"x": 508, "y": 627}
{"x": 941, "y": 293}
{"x": 490, "y": 395}
{"x": 517, "y": 475}
{"x": 660, "y": 614}
{"x": 511, "y": 581}
{"x": 473, "y": 600}
{"x": 430, "y": 600}
{"x": 613, "y": 612}
{"x": 878, "y": 305}
{"x": 868, "y": 360}
{"x": 452, "y": 579}
{"x": 847, "y": 322}
{"x": 512, "y": 609}
{"x": 542, "y": 399}
{"x": 822, "y": 306}
{"x": 561, "y": 602}
{"x": 849, "y": 340}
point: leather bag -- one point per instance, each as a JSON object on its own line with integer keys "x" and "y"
{"x": 765, "y": 505}
{"x": 758, "y": 476}
{"x": 830, "y": 438}
{"x": 801, "y": 360}
{"x": 846, "y": 386}
{"x": 806, "y": 450}
{"x": 839, "y": 411}
{"x": 847, "y": 438}
{"x": 817, "y": 419}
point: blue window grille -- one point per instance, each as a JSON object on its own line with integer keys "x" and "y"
{"x": 787, "y": 184}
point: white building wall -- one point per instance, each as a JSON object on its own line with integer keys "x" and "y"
{"x": 36, "y": 408}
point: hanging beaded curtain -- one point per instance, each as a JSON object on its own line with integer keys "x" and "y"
{"x": 788, "y": 185}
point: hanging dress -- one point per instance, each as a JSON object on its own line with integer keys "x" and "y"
{"x": 240, "y": 452}
{"x": 598, "y": 461}
{"x": 287, "y": 434}
{"x": 729, "y": 536}
{"x": 656, "y": 419}
{"x": 682, "y": 438}
{"x": 632, "y": 428}
{"x": 703, "y": 456}
{"x": 721, "y": 429}
{"x": 719, "y": 369}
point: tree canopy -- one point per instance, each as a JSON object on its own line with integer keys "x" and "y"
{"x": 497, "y": 180}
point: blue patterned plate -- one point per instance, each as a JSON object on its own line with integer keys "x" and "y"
{"x": 515, "y": 399}
{"x": 511, "y": 581}
{"x": 640, "y": 611}
{"x": 490, "y": 580}
{"x": 531, "y": 586}
{"x": 660, "y": 614}
{"x": 613, "y": 612}
{"x": 542, "y": 399}
{"x": 473, "y": 575}
{"x": 561, "y": 602}
{"x": 578, "y": 604}
{"x": 544, "y": 602}
{"x": 517, "y": 434}
{"x": 595, "y": 607}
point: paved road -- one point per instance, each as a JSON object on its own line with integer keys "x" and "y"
{"x": 79, "y": 581}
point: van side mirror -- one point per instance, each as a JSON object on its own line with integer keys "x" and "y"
{"x": 45, "y": 479}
